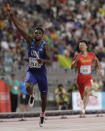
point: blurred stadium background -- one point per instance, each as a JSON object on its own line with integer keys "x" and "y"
{"x": 65, "y": 23}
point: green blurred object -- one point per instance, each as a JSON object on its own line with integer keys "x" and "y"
{"x": 64, "y": 61}
{"x": 49, "y": 42}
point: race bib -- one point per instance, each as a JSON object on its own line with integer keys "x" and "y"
{"x": 85, "y": 70}
{"x": 33, "y": 63}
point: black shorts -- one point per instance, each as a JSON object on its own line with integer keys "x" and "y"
{"x": 24, "y": 99}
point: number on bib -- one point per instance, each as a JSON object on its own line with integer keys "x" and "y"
{"x": 33, "y": 63}
{"x": 85, "y": 70}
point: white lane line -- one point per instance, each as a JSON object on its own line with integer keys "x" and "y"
{"x": 94, "y": 128}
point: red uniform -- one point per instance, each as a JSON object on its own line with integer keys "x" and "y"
{"x": 84, "y": 66}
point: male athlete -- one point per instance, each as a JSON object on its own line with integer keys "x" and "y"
{"x": 38, "y": 55}
{"x": 83, "y": 62}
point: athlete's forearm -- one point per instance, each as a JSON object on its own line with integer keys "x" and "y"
{"x": 47, "y": 62}
{"x": 20, "y": 28}
{"x": 18, "y": 25}
{"x": 74, "y": 63}
{"x": 16, "y": 22}
{"x": 97, "y": 63}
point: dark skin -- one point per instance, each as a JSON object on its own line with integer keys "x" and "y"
{"x": 38, "y": 38}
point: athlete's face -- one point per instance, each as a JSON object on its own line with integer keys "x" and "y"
{"x": 38, "y": 35}
{"x": 83, "y": 46}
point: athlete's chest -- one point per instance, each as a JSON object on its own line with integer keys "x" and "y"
{"x": 85, "y": 64}
{"x": 33, "y": 53}
{"x": 85, "y": 60}
{"x": 33, "y": 50}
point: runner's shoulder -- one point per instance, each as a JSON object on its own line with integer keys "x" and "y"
{"x": 91, "y": 53}
{"x": 77, "y": 54}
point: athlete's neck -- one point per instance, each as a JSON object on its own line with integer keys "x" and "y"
{"x": 84, "y": 53}
{"x": 38, "y": 43}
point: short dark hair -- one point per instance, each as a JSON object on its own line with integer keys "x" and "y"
{"x": 84, "y": 41}
{"x": 60, "y": 85}
{"x": 39, "y": 28}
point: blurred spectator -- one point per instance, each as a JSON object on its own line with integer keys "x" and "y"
{"x": 64, "y": 26}
{"x": 103, "y": 87}
{"x": 24, "y": 97}
{"x": 102, "y": 63}
{"x": 72, "y": 87}
{"x": 14, "y": 84}
{"x": 62, "y": 97}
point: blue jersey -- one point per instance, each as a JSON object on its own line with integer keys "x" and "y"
{"x": 36, "y": 73}
{"x": 33, "y": 65}
{"x": 23, "y": 88}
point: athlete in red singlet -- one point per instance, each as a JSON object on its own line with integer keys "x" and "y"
{"x": 83, "y": 62}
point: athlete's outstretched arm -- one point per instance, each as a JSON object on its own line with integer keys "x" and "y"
{"x": 47, "y": 61}
{"x": 18, "y": 25}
